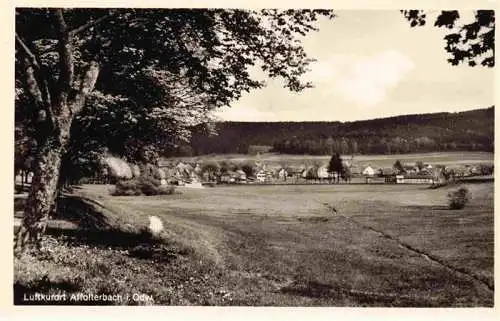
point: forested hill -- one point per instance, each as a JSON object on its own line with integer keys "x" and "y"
{"x": 470, "y": 130}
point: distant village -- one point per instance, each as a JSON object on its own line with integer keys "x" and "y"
{"x": 210, "y": 173}
{"x": 182, "y": 173}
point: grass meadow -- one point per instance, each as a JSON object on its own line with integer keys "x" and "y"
{"x": 316, "y": 245}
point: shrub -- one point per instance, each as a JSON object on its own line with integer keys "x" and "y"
{"x": 142, "y": 186}
{"x": 459, "y": 198}
{"x": 486, "y": 169}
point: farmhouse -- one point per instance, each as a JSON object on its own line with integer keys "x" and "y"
{"x": 369, "y": 171}
{"x": 241, "y": 177}
{"x": 295, "y": 172}
{"x": 282, "y": 174}
{"x": 323, "y": 172}
{"x": 229, "y": 177}
{"x": 261, "y": 176}
{"x": 410, "y": 169}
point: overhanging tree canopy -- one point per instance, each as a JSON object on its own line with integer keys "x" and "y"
{"x": 93, "y": 76}
{"x": 472, "y": 43}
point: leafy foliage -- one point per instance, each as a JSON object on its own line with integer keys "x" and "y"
{"x": 459, "y": 198}
{"x": 142, "y": 186}
{"x": 161, "y": 71}
{"x": 472, "y": 43}
{"x": 335, "y": 165}
{"x": 398, "y": 167}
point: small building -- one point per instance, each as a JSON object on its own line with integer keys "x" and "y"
{"x": 369, "y": 172}
{"x": 410, "y": 169}
{"x": 241, "y": 176}
{"x": 323, "y": 172}
{"x": 295, "y": 172}
{"x": 228, "y": 177}
{"x": 310, "y": 173}
{"x": 261, "y": 175}
{"x": 282, "y": 174}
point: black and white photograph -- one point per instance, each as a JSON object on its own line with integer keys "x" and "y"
{"x": 253, "y": 157}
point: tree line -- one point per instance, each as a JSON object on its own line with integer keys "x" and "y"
{"x": 464, "y": 131}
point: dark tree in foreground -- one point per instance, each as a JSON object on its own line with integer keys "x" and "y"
{"x": 398, "y": 167}
{"x": 336, "y": 166}
{"x": 472, "y": 43}
{"x": 116, "y": 78}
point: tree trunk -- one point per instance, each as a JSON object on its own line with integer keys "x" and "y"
{"x": 55, "y": 109}
{"x": 41, "y": 198}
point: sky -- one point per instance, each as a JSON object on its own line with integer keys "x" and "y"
{"x": 371, "y": 64}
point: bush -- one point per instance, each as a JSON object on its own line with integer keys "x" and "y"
{"x": 459, "y": 198}
{"x": 142, "y": 186}
{"x": 486, "y": 169}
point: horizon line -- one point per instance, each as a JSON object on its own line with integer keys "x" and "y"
{"x": 352, "y": 121}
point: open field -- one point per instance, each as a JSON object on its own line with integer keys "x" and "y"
{"x": 444, "y": 158}
{"x": 285, "y": 245}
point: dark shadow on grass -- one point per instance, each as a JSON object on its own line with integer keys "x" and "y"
{"x": 86, "y": 212}
{"x": 101, "y": 238}
{"x": 139, "y": 245}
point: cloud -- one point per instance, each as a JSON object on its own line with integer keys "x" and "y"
{"x": 366, "y": 81}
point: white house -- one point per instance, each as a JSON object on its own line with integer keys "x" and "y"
{"x": 261, "y": 176}
{"x": 369, "y": 171}
{"x": 323, "y": 172}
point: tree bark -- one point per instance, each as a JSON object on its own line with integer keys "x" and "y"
{"x": 41, "y": 199}
{"x": 42, "y": 196}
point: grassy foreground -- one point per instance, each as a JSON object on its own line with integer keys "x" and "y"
{"x": 340, "y": 245}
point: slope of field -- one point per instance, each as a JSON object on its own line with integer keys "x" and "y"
{"x": 330, "y": 245}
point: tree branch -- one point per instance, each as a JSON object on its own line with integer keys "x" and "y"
{"x": 31, "y": 83}
{"x": 35, "y": 80}
{"x": 91, "y": 24}
{"x": 87, "y": 84}
{"x": 65, "y": 51}
{"x": 28, "y": 52}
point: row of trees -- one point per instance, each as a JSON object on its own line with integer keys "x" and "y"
{"x": 470, "y": 130}
{"x": 378, "y": 145}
